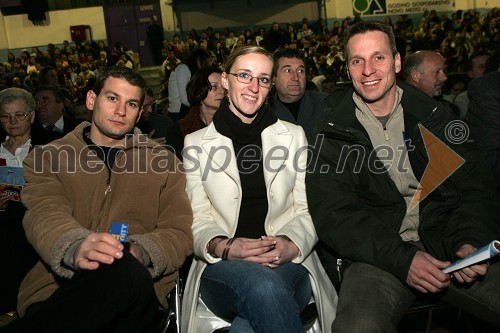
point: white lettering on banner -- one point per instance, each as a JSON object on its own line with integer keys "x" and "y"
{"x": 398, "y": 5}
{"x": 145, "y": 7}
{"x": 413, "y": 7}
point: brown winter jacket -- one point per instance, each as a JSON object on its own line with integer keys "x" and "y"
{"x": 79, "y": 196}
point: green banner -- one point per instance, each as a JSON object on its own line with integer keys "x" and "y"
{"x": 369, "y": 7}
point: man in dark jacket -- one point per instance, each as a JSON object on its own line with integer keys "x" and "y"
{"x": 154, "y": 32}
{"x": 275, "y": 38}
{"x": 52, "y": 122}
{"x": 483, "y": 118}
{"x": 292, "y": 102}
{"x": 398, "y": 195}
{"x": 426, "y": 71}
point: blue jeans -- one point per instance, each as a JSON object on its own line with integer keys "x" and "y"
{"x": 255, "y": 298}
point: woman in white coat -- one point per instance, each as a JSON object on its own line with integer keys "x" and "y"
{"x": 254, "y": 263}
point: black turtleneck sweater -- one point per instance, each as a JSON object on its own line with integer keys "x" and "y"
{"x": 106, "y": 154}
{"x": 247, "y": 144}
{"x": 293, "y": 107}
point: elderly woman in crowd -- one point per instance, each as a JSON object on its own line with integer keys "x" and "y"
{"x": 17, "y": 108}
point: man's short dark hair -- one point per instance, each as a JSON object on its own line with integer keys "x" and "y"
{"x": 44, "y": 72}
{"x": 120, "y": 72}
{"x": 286, "y": 53}
{"x": 54, "y": 89}
{"x": 470, "y": 61}
{"x": 362, "y": 27}
{"x": 493, "y": 62}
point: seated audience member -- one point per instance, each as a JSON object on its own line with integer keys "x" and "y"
{"x": 328, "y": 85}
{"x": 304, "y": 32}
{"x": 32, "y": 65}
{"x": 291, "y": 101}
{"x": 329, "y": 73}
{"x": 168, "y": 67}
{"x": 51, "y": 121}
{"x": 8, "y": 74}
{"x": 204, "y": 92}
{"x": 86, "y": 73}
{"x": 155, "y": 122}
{"x": 374, "y": 208}
{"x": 87, "y": 280}
{"x": 17, "y": 112}
{"x": 254, "y": 264}
{"x": 426, "y": 71}
{"x": 483, "y": 117}
{"x": 125, "y": 59}
{"x": 48, "y": 76}
{"x": 476, "y": 65}
{"x": 177, "y": 96}
{"x": 454, "y": 86}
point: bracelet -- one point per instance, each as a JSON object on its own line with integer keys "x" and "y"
{"x": 226, "y": 249}
{"x": 211, "y": 246}
{"x": 285, "y": 237}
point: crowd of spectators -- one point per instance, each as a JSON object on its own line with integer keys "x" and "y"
{"x": 461, "y": 38}
{"x": 75, "y": 65}
{"x": 457, "y": 37}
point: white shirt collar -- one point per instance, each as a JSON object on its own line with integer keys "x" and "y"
{"x": 58, "y": 126}
{"x": 17, "y": 159}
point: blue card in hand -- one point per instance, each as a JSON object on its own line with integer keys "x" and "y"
{"x": 119, "y": 230}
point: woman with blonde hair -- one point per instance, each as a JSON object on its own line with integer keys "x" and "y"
{"x": 254, "y": 265}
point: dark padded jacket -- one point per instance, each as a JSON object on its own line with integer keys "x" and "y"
{"x": 358, "y": 213}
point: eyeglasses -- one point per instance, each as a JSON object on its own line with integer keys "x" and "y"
{"x": 5, "y": 118}
{"x": 264, "y": 81}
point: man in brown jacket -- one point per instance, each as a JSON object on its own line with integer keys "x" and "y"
{"x": 88, "y": 281}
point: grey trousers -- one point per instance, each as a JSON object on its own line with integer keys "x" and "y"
{"x": 372, "y": 300}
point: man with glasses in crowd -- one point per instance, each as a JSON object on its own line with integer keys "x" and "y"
{"x": 52, "y": 121}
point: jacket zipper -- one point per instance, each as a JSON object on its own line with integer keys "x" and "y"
{"x": 108, "y": 181}
{"x": 386, "y": 133}
{"x": 357, "y": 134}
{"x": 108, "y": 187}
{"x": 106, "y": 191}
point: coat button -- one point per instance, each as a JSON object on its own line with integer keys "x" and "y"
{"x": 271, "y": 228}
{"x": 271, "y": 194}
